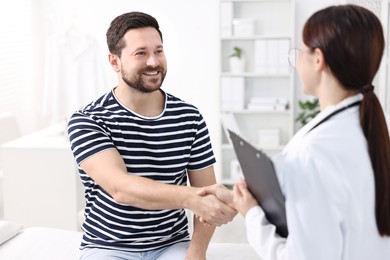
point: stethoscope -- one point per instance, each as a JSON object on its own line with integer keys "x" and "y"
{"x": 335, "y": 113}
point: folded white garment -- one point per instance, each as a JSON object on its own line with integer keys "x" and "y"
{"x": 8, "y": 230}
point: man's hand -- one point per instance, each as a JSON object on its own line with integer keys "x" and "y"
{"x": 224, "y": 195}
{"x": 212, "y": 209}
{"x": 221, "y": 192}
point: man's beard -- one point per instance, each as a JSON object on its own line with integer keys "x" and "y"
{"x": 136, "y": 82}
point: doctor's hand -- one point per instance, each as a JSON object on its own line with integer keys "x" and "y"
{"x": 211, "y": 210}
{"x": 222, "y": 193}
{"x": 243, "y": 200}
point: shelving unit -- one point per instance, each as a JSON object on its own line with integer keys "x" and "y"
{"x": 261, "y": 96}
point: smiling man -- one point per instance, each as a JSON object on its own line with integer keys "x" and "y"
{"x": 136, "y": 148}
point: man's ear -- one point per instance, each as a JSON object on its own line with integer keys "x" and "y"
{"x": 319, "y": 61}
{"x": 115, "y": 62}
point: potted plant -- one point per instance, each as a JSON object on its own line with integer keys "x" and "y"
{"x": 309, "y": 109}
{"x": 237, "y": 60}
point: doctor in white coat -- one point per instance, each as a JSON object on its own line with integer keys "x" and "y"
{"x": 335, "y": 172}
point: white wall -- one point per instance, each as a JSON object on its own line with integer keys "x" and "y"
{"x": 304, "y": 9}
{"x": 191, "y": 33}
{"x": 191, "y": 40}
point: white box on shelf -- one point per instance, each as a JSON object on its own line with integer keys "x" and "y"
{"x": 266, "y": 107}
{"x": 260, "y": 56}
{"x": 283, "y": 66}
{"x": 268, "y": 103}
{"x": 235, "y": 171}
{"x": 272, "y": 56}
{"x": 226, "y": 19}
{"x": 268, "y": 100}
{"x": 229, "y": 122}
{"x": 232, "y": 93}
{"x": 238, "y": 93}
{"x": 269, "y": 137}
{"x": 226, "y": 86}
{"x": 243, "y": 27}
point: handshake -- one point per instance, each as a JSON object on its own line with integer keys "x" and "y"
{"x": 218, "y": 205}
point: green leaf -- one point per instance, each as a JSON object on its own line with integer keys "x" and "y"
{"x": 309, "y": 110}
{"x": 237, "y": 52}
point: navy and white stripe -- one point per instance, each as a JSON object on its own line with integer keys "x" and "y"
{"x": 161, "y": 148}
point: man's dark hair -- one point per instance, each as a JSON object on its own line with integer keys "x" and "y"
{"x": 127, "y": 21}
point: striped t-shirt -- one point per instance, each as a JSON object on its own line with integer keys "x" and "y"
{"x": 161, "y": 148}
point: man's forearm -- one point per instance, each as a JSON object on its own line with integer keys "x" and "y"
{"x": 200, "y": 240}
{"x": 148, "y": 194}
{"x": 145, "y": 193}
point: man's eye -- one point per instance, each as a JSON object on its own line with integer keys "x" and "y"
{"x": 140, "y": 53}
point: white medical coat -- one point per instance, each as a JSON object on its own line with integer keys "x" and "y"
{"x": 74, "y": 74}
{"x": 328, "y": 181}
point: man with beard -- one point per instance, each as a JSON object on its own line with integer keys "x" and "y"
{"x": 136, "y": 148}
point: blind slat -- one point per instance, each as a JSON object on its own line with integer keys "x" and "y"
{"x": 16, "y": 43}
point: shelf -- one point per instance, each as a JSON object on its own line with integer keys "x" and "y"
{"x": 255, "y": 1}
{"x": 264, "y": 32}
{"x": 254, "y": 75}
{"x": 269, "y": 149}
{"x": 252, "y": 111}
{"x": 255, "y": 37}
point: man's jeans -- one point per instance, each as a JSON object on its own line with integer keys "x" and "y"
{"x": 174, "y": 252}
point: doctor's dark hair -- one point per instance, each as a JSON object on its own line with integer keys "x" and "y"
{"x": 351, "y": 40}
{"x": 127, "y": 21}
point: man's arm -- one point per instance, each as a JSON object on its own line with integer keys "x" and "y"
{"x": 201, "y": 233}
{"x": 221, "y": 192}
{"x": 108, "y": 170}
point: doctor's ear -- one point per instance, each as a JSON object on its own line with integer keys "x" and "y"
{"x": 115, "y": 62}
{"x": 319, "y": 61}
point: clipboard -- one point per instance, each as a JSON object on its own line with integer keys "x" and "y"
{"x": 261, "y": 179}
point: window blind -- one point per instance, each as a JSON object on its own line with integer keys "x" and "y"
{"x": 15, "y": 53}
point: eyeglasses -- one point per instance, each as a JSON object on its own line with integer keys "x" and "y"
{"x": 293, "y": 56}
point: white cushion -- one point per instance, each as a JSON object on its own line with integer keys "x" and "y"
{"x": 8, "y": 230}
{"x": 231, "y": 251}
{"x": 1, "y": 194}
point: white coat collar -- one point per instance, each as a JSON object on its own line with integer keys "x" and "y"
{"x": 327, "y": 111}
